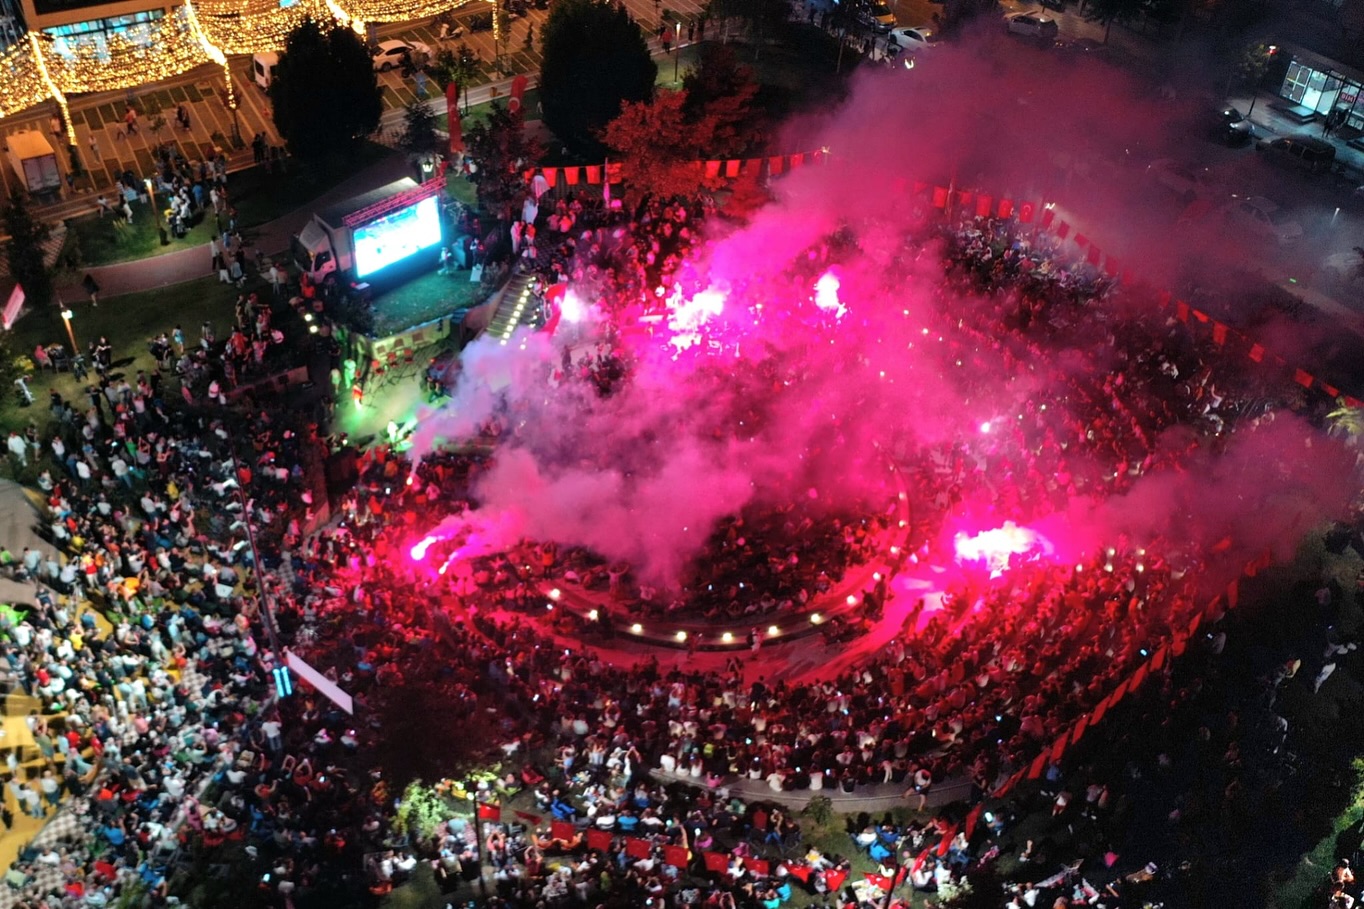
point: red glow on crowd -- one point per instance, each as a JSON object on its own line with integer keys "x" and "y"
{"x": 995, "y": 549}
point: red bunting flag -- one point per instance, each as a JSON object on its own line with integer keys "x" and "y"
{"x": 599, "y": 840}
{"x": 1234, "y": 592}
{"x": 489, "y": 812}
{"x": 1219, "y": 333}
{"x": 946, "y": 842}
{"x": 1062, "y": 230}
{"x": 919, "y": 862}
{"x": 1048, "y": 215}
{"x": 1078, "y": 731}
{"x": 964, "y": 196}
{"x": 1139, "y": 676}
{"x": 571, "y": 175}
{"x": 677, "y": 856}
{"x": 712, "y": 169}
{"x": 1006, "y": 207}
{"x": 1099, "y": 710}
{"x": 983, "y": 206}
{"x": 562, "y": 830}
{"x": 1111, "y": 266}
{"x": 1093, "y": 256}
{"x": 1026, "y": 212}
{"x": 972, "y": 818}
{"x": 797, "y": 160}
{"x": 1302, "y": 378}
{"x": 1039, "y": 764}
{"x": 593, "y": 174}
{"x": 637, "y": 848}
{"x": 1201, "y": 316}
{"x": 1330, "y": 390}
{"x": 732, "y": 168}
{"x": 716, "y": 861}
{"x": 1058, "y": 749}
{"x": 1081, "y": 240}
{"x": 939, "y": 197}
{"x": 1257, "y": 352}
{"x": 775, "y": 165}
{"x": 1158, "y": 658}
{"x": 551, "y": 175}
{"x": 1353, "y": 402}
{"x": 1182, "y": 311}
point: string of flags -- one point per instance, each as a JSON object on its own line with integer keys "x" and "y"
{"x": 1172, "y": 648}
{"x": 732, "y": 168}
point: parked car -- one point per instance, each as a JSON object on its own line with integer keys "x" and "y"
{"x": 1188, "y": 183}
{"x": 1263, "y": 218}
{"x": 395, "y": 52}
{"x": 1301, "y": 151}
{"x": 1226, "y": 125}
{"x": 877, "y": 16}
{"x": 909, "y": 39}
{"x": 1032, "y": 25}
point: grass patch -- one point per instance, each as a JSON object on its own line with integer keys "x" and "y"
{"x": 128, "y": 322}
{"x": 110, "y": 239}
{"x": 1306, "y": 887}
{"x": 259, "y": 197}
{"x": 424, "y": 299}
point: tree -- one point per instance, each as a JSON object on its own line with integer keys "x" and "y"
{"x": 325, "y": 93}
{"x": 419, "y": 130}
{"x": 721, "y": 89}
{"x": 502, "y": 151}
{"x": 659, "y": 148}
{"x": 1107, "y": 12}
{"x": 24, "y": 251}
{"x": 459, "y": 66}
{"x": 594, "y": 60}
{"x": 1250, "y": 68}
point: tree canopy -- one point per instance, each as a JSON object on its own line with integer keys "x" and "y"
{"x": 24, "y": 251}
{"x": 594, "y": 59}
{"x": 325, "y": 93}
{"x": 502, "y": 151}
{"x": 1106, "y": 12}
{"x": 721, "y": 89}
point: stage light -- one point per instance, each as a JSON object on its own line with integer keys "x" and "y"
{"x": 816, "y": 618}
{"x": 852, "y": 599}
{"x": 555, "y": 593}
{"x": 592, "y": 615}
{"x": 681, "y": 636}
{"x": 773, "y": 631}
{"x": 637, "y": 628}
{"x": 727, "y": 637}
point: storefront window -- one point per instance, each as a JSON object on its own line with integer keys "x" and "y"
{"x": 135, "y": 27}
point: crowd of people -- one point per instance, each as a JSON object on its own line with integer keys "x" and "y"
{"x": 149, "y": 650}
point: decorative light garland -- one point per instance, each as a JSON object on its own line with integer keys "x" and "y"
{"x": 33, "y": 72}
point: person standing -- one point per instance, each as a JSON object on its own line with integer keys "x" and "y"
{"x": 91, "y": 288}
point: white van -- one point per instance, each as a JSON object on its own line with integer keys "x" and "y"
{"x": 263, "y": 68}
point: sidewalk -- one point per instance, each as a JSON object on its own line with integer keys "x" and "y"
{"x": 1271, "y": 123}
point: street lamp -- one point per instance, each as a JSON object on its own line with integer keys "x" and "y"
{"x": 677, "y": 31}
{"x": 151, "y": 197}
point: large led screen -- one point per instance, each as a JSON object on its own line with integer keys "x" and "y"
{"x": 390, "y": 239}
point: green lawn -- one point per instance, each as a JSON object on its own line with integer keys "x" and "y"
{"x": 424, "y": 299}
{"x": 128, "y": 322}
{"x": 258, "y": 196}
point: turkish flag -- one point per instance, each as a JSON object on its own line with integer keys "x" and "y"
{"x": 759, "y": 867}
{"x": 518, "y": 94}
{"x": 487, "y": 812}
{"x": 835, "y": 879}
{"x": 716, "y": 861}
{"x": 452, "y": 114}
{"x": 562, "y": 830}
{"x": 972, "y": 817}
{"x": 599, "y": 840}
{"x": 677, "y": 856}
{"x": 800, "y": 872}
{"x": 637, "y": 848}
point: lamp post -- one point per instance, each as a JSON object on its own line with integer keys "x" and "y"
{"x": 677, "y": 33}
{"x": 151, "y": 197}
